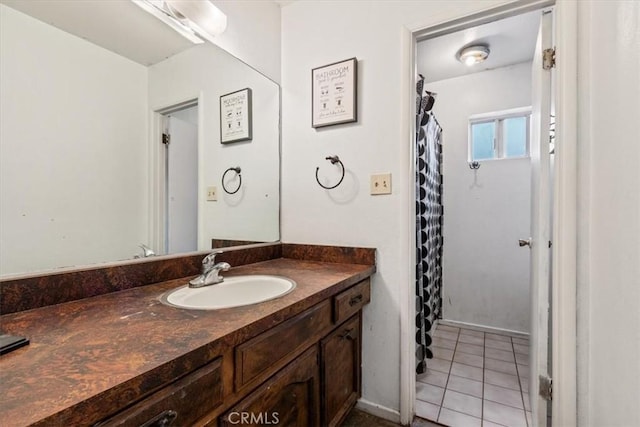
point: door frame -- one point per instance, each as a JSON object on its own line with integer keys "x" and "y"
{"x": 157, "y": 169}
{"x": 564, "y": 261}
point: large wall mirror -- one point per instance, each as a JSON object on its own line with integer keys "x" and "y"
{"x": 90, "y": 91}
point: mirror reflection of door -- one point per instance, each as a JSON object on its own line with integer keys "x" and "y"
{"x": 181, "y": 226}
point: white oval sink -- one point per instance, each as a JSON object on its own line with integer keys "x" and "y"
{"x": 233, "y": 292}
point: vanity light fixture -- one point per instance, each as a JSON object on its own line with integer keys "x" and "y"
{"x": 473, "y": 54}
{"x": 194, "y": 20}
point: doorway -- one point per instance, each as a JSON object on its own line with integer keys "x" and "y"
{"x": 180, "y": 140}
{"x": 494, "y": 190}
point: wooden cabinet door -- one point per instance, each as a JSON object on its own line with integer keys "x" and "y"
{"x": 340, "y": 367}
{"x": 290, "y": 398}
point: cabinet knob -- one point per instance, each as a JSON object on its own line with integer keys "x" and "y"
{"x": 347, "y": 334}
{"x": 353, "y": 301}
{"x": 163, "y": 419}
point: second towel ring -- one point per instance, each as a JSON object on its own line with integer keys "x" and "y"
{"x": 333, "y": 160}
{"x": 237, "y": 171}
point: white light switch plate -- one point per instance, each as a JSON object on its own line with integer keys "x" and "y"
{"x": 381, "y": 183}
{"x": 212, "y": 194}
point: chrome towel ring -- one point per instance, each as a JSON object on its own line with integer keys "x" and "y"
{"x": 333, "y": 160}
{"x": 237, "y": 171}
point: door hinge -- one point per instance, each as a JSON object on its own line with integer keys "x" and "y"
{"x": 166, "y": 138}
{"x": 548, "y": 58}
{"x": 546, "y": 387}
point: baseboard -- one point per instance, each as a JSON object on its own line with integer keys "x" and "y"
{"x": 482, "y": 328}
{"x": 378, "y": 410}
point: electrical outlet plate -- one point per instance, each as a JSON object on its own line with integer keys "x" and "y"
{"x": 381, "y": 183}
{"x": 212, "y": 194}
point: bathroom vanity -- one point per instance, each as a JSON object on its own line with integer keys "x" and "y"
{"x": 125, "y": 359}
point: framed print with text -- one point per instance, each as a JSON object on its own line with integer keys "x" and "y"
{"x": 334, "y": 94}
{"x": 235, "y": 116}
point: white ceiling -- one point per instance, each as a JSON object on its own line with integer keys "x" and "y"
{"x": 117, "y": 25}
{"x": 283, "y": 3}
{"x": 511, "y": 41}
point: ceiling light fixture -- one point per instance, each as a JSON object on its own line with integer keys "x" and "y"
{"x": 473, "y": 54}
{"x": 194, "y": 20}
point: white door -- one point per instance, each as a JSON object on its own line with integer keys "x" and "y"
{"x": 540, "y": 222}
{"x": 182, "y": 181}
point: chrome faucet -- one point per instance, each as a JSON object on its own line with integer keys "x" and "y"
{"x": 146, "y": 251}
{"x": 210, "y": 271}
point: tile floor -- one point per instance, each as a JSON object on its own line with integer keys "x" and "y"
{"x": 476, "y": 379}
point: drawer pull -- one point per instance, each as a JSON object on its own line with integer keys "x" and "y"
{"x": 353, "y": 301}
{"x": 347, "y": 334}
{"x": 164, "y": 419}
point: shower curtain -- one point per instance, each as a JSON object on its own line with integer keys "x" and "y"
{"x": 428, "y": 155}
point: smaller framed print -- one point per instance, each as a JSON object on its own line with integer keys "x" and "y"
{"x": 235, "y": 116}
{"x": 334, "y": 93}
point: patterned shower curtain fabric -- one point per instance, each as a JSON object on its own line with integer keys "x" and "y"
{"x": 429, "y": 211}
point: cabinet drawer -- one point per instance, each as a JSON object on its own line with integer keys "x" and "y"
{"x": 349, "y": 302}
{"x": 261, "y": 356}
{"x": 180, "y": 403}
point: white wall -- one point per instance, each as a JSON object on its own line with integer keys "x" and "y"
{"x": 317, "y": 33}
{"x": 72, "y": 149}
{"x": 485, "y": 273}
{"x": 206, "y": 71}
{"x": 609, "y": 213}
{"x": 253, "y": 33}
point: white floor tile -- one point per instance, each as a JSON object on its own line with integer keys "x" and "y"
{"x": 442, "y": 353}
{"x": 470, "y": 339}
{"x": 443, "y": 343}
{"x": 504, "y": 415}
{"x": 467, "y": 371}
{"x": 463, "y": 403}
{"x": 429, "y": 393}
{"x": 524, "y": 383}
{"x": 522, "y": 349}
{"x": 469, "y": 359}
{"x": 501, "y": 345}
{"x": 434, "y": 378}
{"x": 446, "y": 335}
{"x": 523, "y": 371}
{"x": 497, "y": 337}
{"x": 501, "y": 379}
{"x": 427, "y": 410}
{"x": 494, "y": 353}
{"x": 523, "y": 341}
{"x": 522, "y": 359}
{"x": 529, "y": 418}
{"x": 465, "y": 385}
{"x": 527, "y": 401}
{"x": 471, "y": 332}
{"x": 486, "y": 423}
{"x": 439, "y": 365}
{"x": 478, "y": 350}
{"x": 457, "y": 419}
{"x": 503, "y": 395}
{"x": 501, "y": 366}
{"x": 447, "y": 328}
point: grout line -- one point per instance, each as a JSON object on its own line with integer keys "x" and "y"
{"x": 448, "y": 375}
{"x": 524, "y": 407}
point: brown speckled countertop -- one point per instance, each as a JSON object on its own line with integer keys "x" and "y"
{"x": 92, "y": 356}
